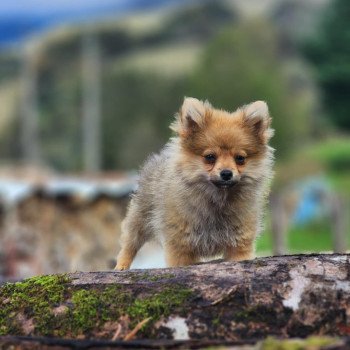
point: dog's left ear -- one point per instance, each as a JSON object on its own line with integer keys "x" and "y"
{"x": 256, "y": 116}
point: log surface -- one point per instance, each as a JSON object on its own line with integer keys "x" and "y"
{"x": 285, "y": 296}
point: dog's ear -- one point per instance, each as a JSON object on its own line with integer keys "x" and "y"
{"x": 256, "y": 116}
{"x": 192, "y": 113}
{"x": 192, "y": 116}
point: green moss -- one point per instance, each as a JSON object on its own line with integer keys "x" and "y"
{"x": 298, "y": 344}
{"x": 270, "y": 343}
{"x": 91, "y": 309}
{"x": 81, "y": 311}
{"x": 160, "y": 304}
{"x": 216, "y": 321}
{"x": 84, "y": 313}
{"x": 163, "y": 276}
{"x": 258, "y": 313}
{"x": 33, "y": 299}
{"x": 149, "y": 277}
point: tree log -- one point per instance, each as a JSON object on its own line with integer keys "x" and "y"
{"x": 215, "y": 302}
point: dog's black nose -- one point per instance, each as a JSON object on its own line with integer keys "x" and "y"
{"x": 226, "y": 175}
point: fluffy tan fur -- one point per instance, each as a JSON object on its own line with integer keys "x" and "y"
{"x": 180, "y": 201}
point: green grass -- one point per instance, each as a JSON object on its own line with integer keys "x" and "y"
{"x": 309, "y": 239}
{"x": 171, "y": 59}
{"x": 312, "y": 238}
{"x": 329, "y": 158}
{"x": 264, "y": 244}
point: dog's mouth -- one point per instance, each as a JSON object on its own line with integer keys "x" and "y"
{"x": 224, "y": 184}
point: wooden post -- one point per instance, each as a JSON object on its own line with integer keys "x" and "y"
{"x": 278, "y": 224}
{"x": 91, "y": 123}
{"x": 29, "y": 108}
{"x": 339, "y": 223}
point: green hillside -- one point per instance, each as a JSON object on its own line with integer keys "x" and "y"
{"x": 148, "y": 63}
{"x": 138, "y": 52}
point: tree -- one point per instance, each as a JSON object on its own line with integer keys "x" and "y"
{"x": 242, "y": 65}
{"x": 138, "y": 108}
{"x": 287, "y": 296}
{"x": 329, "y": 52}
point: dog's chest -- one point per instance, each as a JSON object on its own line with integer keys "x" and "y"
{"x": 209, "y": 235}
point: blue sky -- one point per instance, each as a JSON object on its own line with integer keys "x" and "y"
{"x": 47, "y": 7}
{"x": 21, "y": 18}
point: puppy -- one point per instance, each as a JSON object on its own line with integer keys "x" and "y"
{"x": 204, "y": 194}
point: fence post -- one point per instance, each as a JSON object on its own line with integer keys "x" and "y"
{"x": 338, "y": 223}
{"x": 278, "y": 224}
{"x": 91, "y": 124}
{"x": 29, "y": 115}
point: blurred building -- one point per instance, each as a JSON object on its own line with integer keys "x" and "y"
{"x": 60, "y": 224}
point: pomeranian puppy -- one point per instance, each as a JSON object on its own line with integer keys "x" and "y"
{"x": 204, "y": 194}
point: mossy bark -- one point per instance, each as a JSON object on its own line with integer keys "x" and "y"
{"x": 287, "y": 296}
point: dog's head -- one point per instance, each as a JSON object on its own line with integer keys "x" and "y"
{"x": 223, "y": 148}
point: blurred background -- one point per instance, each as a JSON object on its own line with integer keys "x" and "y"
{"x": 89, "y": 87}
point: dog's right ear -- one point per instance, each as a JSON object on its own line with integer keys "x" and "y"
{"x": 257, "y": 118}
{"x": 192, "y": 116}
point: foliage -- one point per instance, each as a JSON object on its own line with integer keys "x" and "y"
{"x": 334, "y": 154}
{"x": 138, "y": 108}
{"x": 242, "y": 65}
{"x": 199, "y": 21}
{"x": 329, "y": 156}
{"x": 60, "y": 130}
{"x": 329, "y": 52}
{"x": 9, "y": 65}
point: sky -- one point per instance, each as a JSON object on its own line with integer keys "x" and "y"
{"x": 21, "y": 18}
{"x": 44, "y": 7}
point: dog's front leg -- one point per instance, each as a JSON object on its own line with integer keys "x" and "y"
{"x": 178, "y": 255}
{"x": 243, "y": 251}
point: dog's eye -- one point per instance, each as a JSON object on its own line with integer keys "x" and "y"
{"x": 210, "y": 158}
{"x": 240, "y": 160}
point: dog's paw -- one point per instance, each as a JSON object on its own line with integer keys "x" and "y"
{"x": 121, "y": 267}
